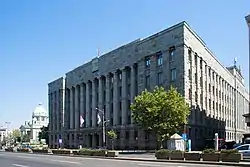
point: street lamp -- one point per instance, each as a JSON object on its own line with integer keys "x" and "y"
{"x": 103, "y": 126}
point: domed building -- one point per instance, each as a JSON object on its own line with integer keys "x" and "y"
{"x": 32, "y": 128}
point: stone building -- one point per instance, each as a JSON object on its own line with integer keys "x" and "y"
{"x": 247, "y": 115}
{"x": 176, "y": 56}
{"x": 32, "y": 128}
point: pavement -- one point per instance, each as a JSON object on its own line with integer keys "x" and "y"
{"x": 8, "y": 159}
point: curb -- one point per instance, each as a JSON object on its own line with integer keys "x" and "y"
{"x": 157, "y": 160}
{"x": 187, "y": 162}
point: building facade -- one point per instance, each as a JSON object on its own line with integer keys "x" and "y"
{"x": 3, "y": 134}
{"x": 247, "y": 116}
{"x": 176, "y": 56}
{"x": 32, "y": 128}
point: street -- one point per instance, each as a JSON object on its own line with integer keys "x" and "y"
{"x": 33, "y": 160}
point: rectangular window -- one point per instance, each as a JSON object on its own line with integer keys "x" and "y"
{"x": 147, "y": 61}
{"x": 173, "y": 74}
{"x": 159, "y": 59}
{"x": 190, "y": 94}
{"x": 159, "y": 78}
{"x": 190, "y": 55}
{"x": 147, "y": 82}
{"x": 172, "y": 53}
{"x": 120, "y": 76}
{"x": 189, "y": 74}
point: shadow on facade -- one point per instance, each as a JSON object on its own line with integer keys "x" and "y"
{"x": 202, "y": 128}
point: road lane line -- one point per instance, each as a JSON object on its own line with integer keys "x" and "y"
{"x": 18, "y": 165}
{"x": 148, "y": 165}
{"x": 65, "y": 161}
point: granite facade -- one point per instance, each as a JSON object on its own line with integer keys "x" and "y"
{"x": 175, "y": 56}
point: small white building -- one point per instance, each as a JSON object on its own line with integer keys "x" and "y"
{"x": 3, "y": 133}
{"x": 32, "y": 128}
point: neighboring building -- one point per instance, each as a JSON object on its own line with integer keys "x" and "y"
{"x": 32, "y": 128}
{"x": 3, "y": 133}
{"x": 247, "y": 116}
{"x": 176, "y": 56}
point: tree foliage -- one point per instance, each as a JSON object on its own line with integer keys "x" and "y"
{"x": 112, "y": 135}
{"x": 16, "y": 133}
{"x": 25, "y": 138}
{"x": 162, "y": 112}
{"x": 44, "y": 134}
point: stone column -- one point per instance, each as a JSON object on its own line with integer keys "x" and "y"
{"x": 124, "y": 97}
{"x": 100, "y": 90}
{"x": 87, "y": 105}
{"x": 107, "y": 114}
{"x": 94, "y": 103}
{"x": 58, "y": 111}
{"x": 132, "y": 91}
{"x": 153, "y": 71}
{"x": 71, "y": 108}
{"x": 54, "y": 113}
{"x": 82, "y": 104}
{"x": 115, "y": 99}
{"x": 50, "y": 112}
{"x": 77, "y": 93}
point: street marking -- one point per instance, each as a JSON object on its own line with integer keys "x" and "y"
{"x": 148, "y": 165}
{"x": 65, "y": 161}
{"x": 17, "y": 165}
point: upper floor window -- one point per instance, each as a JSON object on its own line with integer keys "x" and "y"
{"x": 120, "y": 76}
{"x": 147, "y": 61}
{"x": 171, "y": 53}
{"x": 159, "y": 59}
{"x": 190, "y": 55}
{"x": 173, "y": 74}
{"x": 159, "y": 78}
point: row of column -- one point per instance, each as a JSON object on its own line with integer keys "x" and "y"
{"x": 211, "y": 92}
{"x": 85, "y": 98}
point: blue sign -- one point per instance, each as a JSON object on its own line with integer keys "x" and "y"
{"x": 184, "y": 136}
{"x": 189, "y": 145}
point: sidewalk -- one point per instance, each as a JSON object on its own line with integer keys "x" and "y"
{"x": 243, "y": 164}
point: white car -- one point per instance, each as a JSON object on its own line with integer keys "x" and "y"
{"x": 244, "y": 149}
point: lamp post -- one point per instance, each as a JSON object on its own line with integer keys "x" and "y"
{"x": 103, "y": 126}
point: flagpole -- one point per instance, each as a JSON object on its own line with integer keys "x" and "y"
{"x": 103, "y": 126}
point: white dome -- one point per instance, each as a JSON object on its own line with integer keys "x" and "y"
{"x": 40, "y": 111}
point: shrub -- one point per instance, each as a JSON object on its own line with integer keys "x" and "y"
{"x": 176, "y": 151}
{"x": 229, "y": 151}
{"x": 209, "y": 151}
{"x": 61, "y": 151}
{"x": 25, "y": 150}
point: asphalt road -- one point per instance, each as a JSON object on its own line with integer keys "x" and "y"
{"x": 33, "y": 160}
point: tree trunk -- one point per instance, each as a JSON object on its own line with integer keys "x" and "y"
{"x": 112, "y": 142}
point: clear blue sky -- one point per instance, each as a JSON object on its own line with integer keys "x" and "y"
{"x": 42, "y": 40}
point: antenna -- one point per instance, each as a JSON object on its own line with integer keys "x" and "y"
{"x": 98, "y": 52}
{"x": 235, "y": 61}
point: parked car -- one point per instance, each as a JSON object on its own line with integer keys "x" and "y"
{"x": 244, "y": 149}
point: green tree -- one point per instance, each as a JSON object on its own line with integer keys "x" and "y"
{"x": 44, "y": 134}
{"x": 161, "y": 112}
{"x": 112, "y": 135}
{"x": 16, "y": 133}
{"x": 25, "y": 138}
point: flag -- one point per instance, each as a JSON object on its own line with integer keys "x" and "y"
{"x": 81, "y": 121}
{"x": 99, "y": 120}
